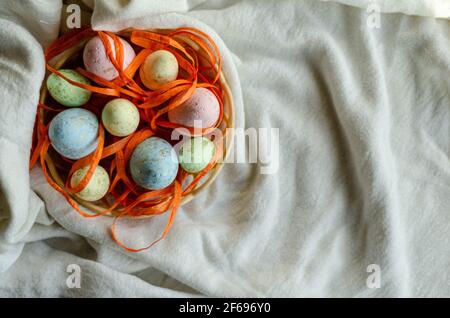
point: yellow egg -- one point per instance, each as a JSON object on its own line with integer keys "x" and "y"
{"x": 120, "y": 117}
{"x": 159, "y": 68}
{"x": 96, "y": 188}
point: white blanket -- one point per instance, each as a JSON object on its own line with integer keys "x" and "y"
{"x": 364, "y": 176}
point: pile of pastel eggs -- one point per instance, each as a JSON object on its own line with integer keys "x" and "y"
{"x": 154, "y": 163}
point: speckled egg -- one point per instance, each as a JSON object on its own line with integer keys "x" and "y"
{"x": 159, "y": 68}
{"x": 64, "y": 92}
{"x": 154, "y": 164}
{"x": 120, "y": 117}
{"x": 97, "y": 61}
{"x": 73, "y": 133}
{"x": 201, "y": 108}
{"x": 96, "y": 188}
{"x": 196, "y": 153}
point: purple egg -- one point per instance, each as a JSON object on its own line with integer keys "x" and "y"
{"x": 97, "y": 61}
{"x": 202, "y": 108}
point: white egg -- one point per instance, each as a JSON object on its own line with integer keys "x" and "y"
{"x": 96, "y": 188}
{"x": 120, "y": 117}
{"x": 159, "y": 68}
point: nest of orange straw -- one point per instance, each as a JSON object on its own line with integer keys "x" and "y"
{"x": 200, "y": 64}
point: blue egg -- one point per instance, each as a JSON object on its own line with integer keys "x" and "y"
{"x": 74, "y": 132}
{"x": 154, "y": 164}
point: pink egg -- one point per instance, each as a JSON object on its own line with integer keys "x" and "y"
{"x": 96, "y": 61}
{"x": 201, "y": 108}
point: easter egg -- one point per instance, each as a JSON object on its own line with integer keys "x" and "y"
{"x": 64, "y": 92}
{"x": 202, "y": 108}
{"x": 73, "y": 133}
{"x": 96, "y": 188}
{"x": 195, "y": 154}
{"x": 159, "y": 68}
{"x": 120, "y": 117}
{"x": 154, "y": 164}
{"x": 97, "y": 61}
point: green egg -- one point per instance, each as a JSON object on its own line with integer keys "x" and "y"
{"x": 64, "y": 92}
{"x": 195, "y": 154}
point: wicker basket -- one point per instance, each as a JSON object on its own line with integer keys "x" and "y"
{"x": 228, "y": 122}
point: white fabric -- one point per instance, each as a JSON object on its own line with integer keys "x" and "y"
{"x": 364, "y": 174}
{"x": 431, "y": 8}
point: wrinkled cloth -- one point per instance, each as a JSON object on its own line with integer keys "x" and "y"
{"x": 363, "y": 114}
